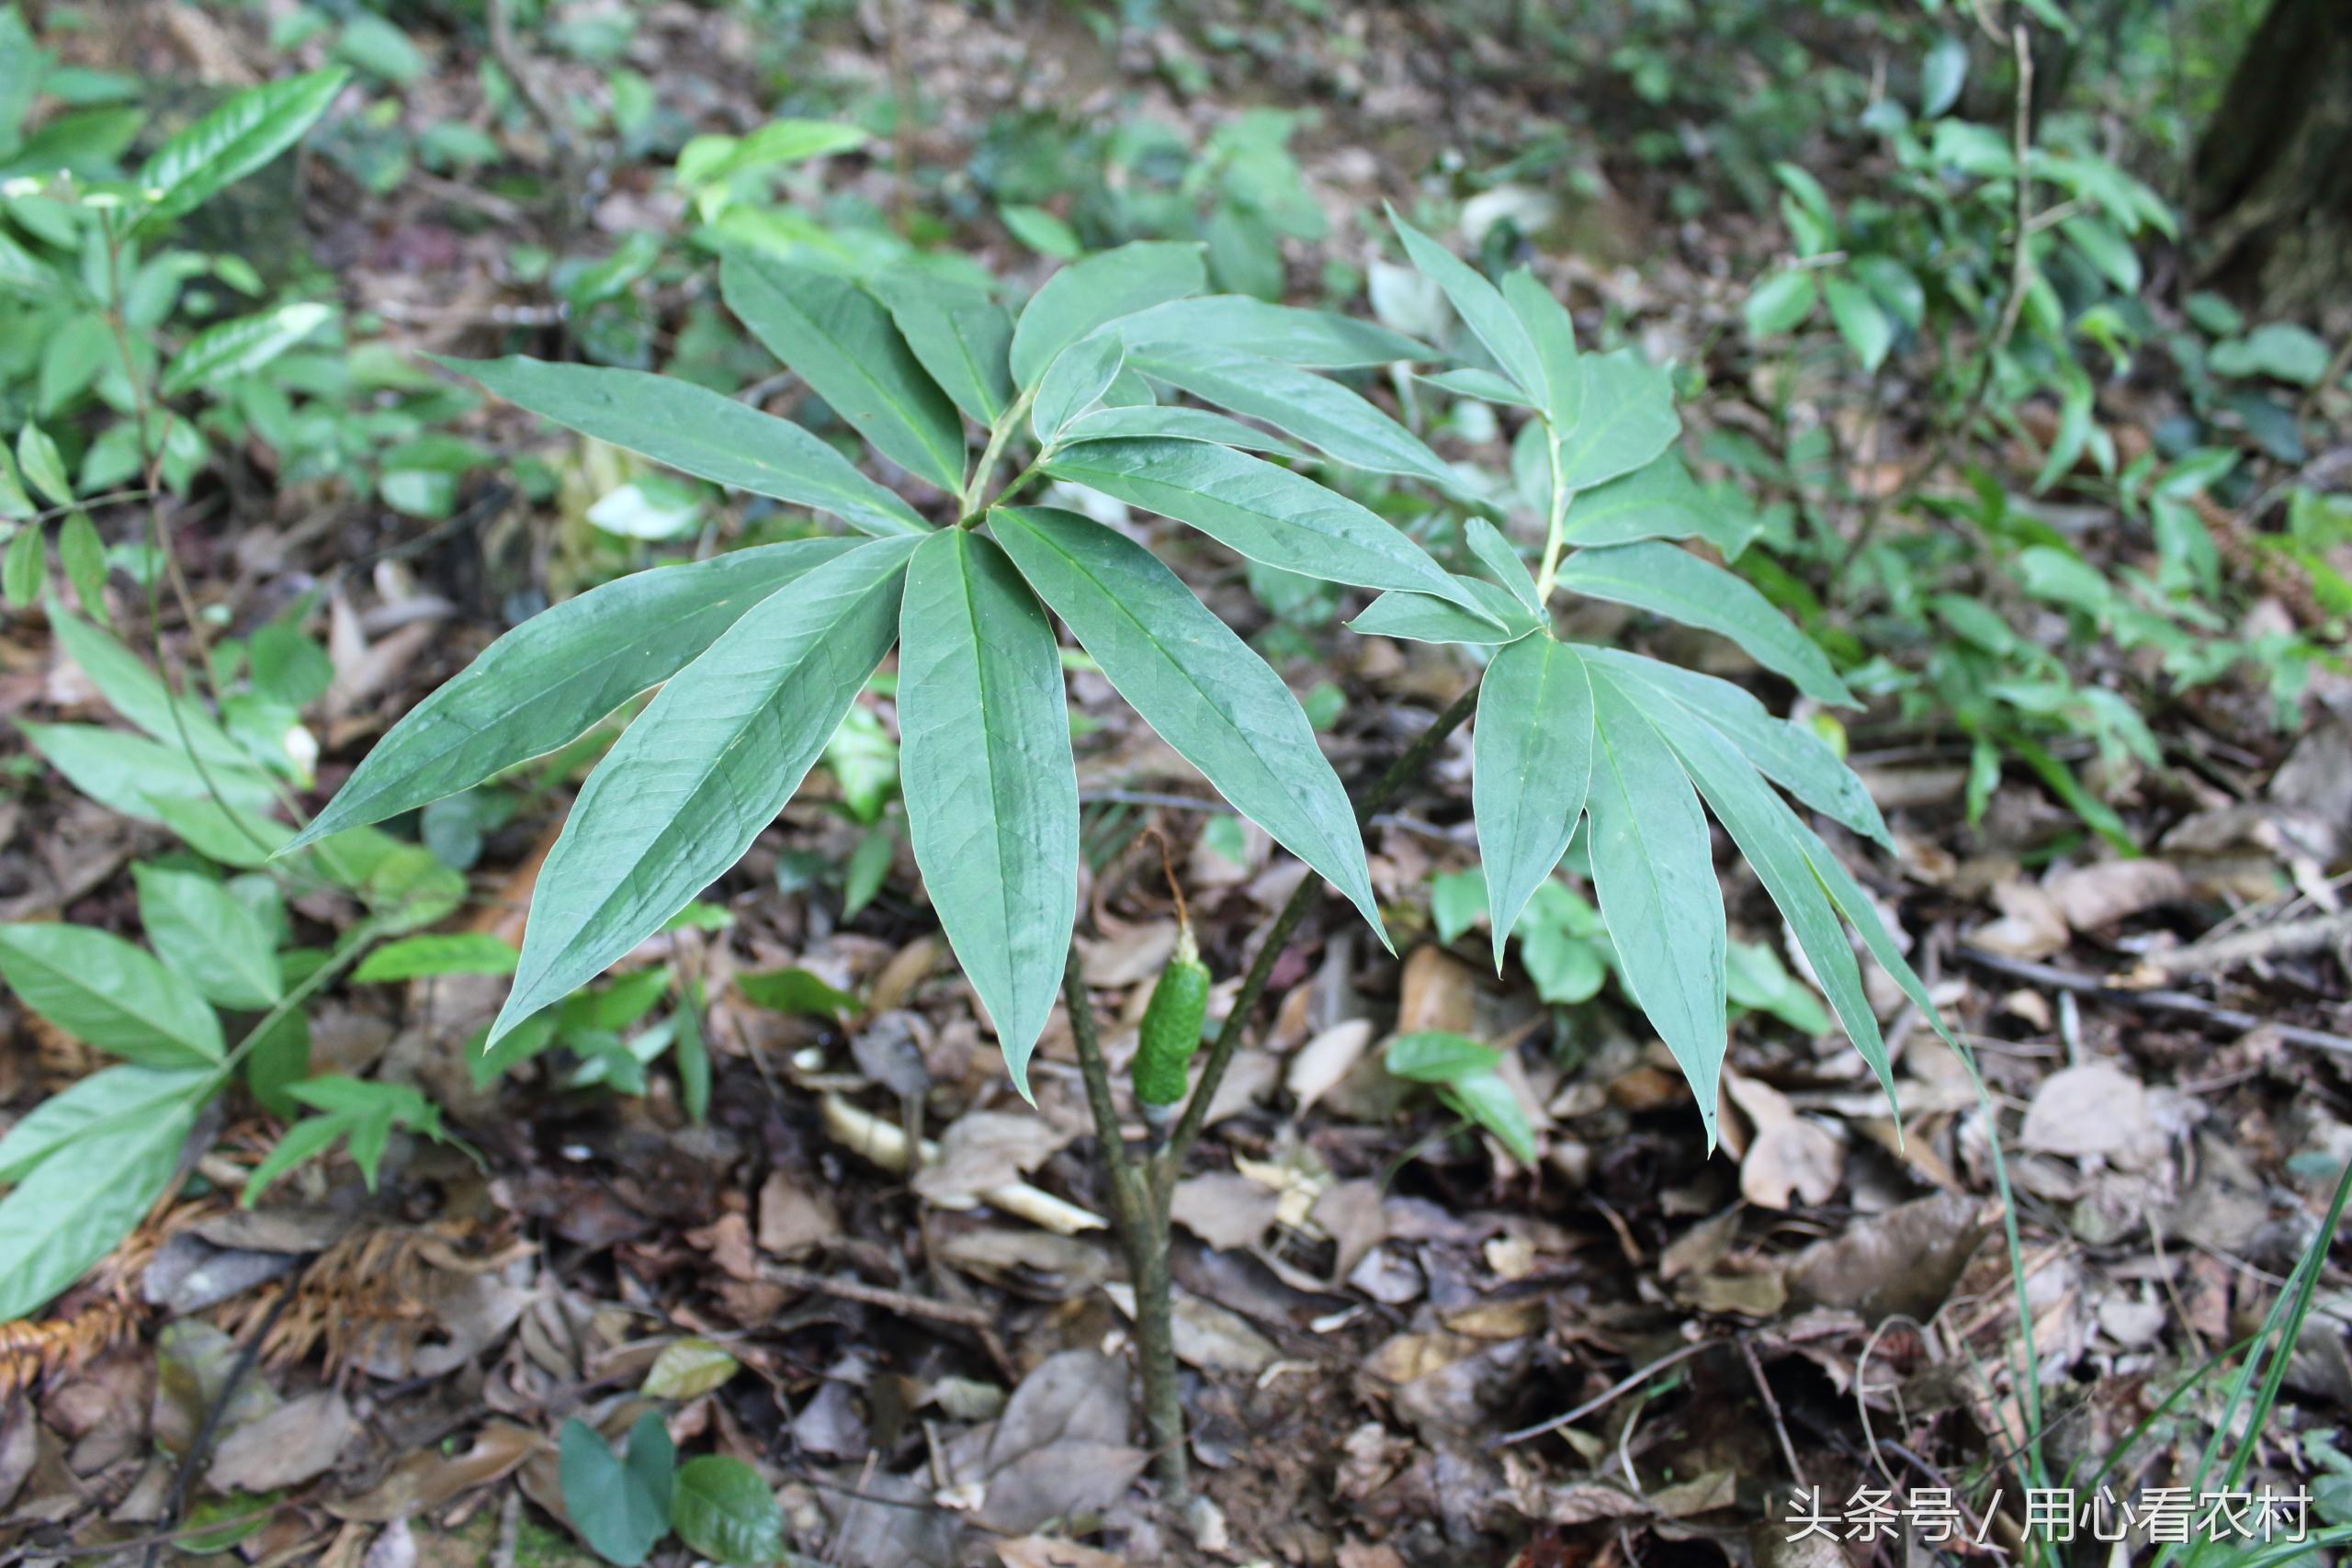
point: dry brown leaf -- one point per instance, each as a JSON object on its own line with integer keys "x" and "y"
{"x": 2031, "y": 926}
{"x": 1224, "y": 1210}
{"x": 425, "y": 1480}
{"x": 1351, "y": 1214}
{"x": 1324, "y": 1060}
{"x": 2095, "y": 1109}
{"x": 2095, "y": 896}
{"x": 794, "y": 1220}
{"x": 983, "y": 1150}
{"x": 298, "y": 1441}
{"x": 1045, "y": 1551}
{"x": 1437, "y": 991}
{"x": 1902, "y": 1262}
{"x": 1134, "y": 955}
{"x": 1790, "y": 1155}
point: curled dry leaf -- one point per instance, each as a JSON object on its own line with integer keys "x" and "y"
{"x": 1790, "y": 1155}
{"x": 1223, "y": 1209}
{"x": 2095, "y": 1109}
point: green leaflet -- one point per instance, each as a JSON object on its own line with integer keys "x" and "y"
{"x": 558, "y": 672}
{"x": 1086, "y": 294}
{"x": 1073, "y": 383}
{"x": 1194, "y": 682}
{"x": 1554, "y": 337}
{"x": 620, "y": 1507}
{"x": 96, "y": 1106}
{"x": 139, "y": 694}
{"x": 1479, "y": 304}
{"x": 842, "y": 341}
{"x": 961, "y": 336}
{"x": 709, "y": 763}
{"x": 1790, "y": 755}
{"x": 1654, "y": 876}
{"x": 231, "y": 143}
{"x": 1860, "y": 321}
{"x": 1319, "y": 411}
{"x": 1496, "y": 554}
{"x": 1417, "y": 618}
{"x": 1483, "y": 385}
{"x": 202, "y": 931}
{"x": 108, "y": 994}
{"x": 723, "y": 1511}
{"x": 134, "y": 775}
{"x": 242, "y": 346}
{"x": 1678, "y": 585}
{"x": 68, "y": 1213}
{"x": 1656, "y": 501}
{"x": 1531, "y": 762}
{"x": 991, "y": 789}
{"x": 1627, "y": 418}
{"x": 1258, "y": 510}
{"x": 698, "y": 432}
{"x": 1312, "y": 339}
{"x": 1772, "y": 839}
{"x": 1175, "y": 424}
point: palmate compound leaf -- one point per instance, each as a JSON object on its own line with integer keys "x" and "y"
{"x": 1531, "y": 762}
{"x": 1195, "y": 682}
{"x": 709, "y": 763}
{"x": 550, "y": 678}
{"x": 842, "y": 341}
{"x": 1657, "y": 577}
{"x": 697, "y": 431}
{"x": 990, "y": 788}
{"x": 1265, "y": 512}
{"x": 1102, "y": 289}
{"x": 1654, "y": 876}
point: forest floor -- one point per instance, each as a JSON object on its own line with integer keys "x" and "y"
{"x": 1402, "y": 1348}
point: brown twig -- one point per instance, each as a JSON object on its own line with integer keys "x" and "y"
{"x": 1607, "y": 1396}
{"x": 2216, "y": 955}
{"x": 2152, "y": 1001}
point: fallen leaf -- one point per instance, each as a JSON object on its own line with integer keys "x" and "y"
{"x": 2090, "y": 896}
{"x": 1790, "y": 1155}
{"x": 1223, "y": 1209}
{"x": 1903, "y": 1262}
{"x": 293, "y": 1443}
{"x": 1045, "y": 1551}
{"x": 2095, "y": 1109}
{"x": 983, "y": 1150}
{"x": 1324, "y": 1060}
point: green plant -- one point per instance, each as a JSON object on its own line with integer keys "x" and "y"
{"x": 623, "y": 1506}
{"x": 760, "y": 653}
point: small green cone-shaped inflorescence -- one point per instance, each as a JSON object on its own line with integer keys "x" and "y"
{"x": 1171, "y": 1024}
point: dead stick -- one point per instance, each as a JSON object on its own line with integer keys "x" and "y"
{"x": 2152, "y": 1001}
{"x": 2216, "y": 955}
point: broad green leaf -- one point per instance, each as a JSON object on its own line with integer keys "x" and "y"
{"x": 961, "y": 336}
{"x": 1417, "y": 618}
{"x": 1483, "y": 385}
{"x": 133, "y": 689}
{"x": 558, "y": 672}
{"x": 25, "y": 566}
{"x": 43, "y": 465}
{"x": 1860, "y": 321}
{"x": 1195, "y": 682}
{"x": 134, "y": 775}
{"x": 620, "y": 1508}
{"x": 230, "y": 834}
{"x": 1772, "y": 839}
{"x": 1314, "y": 340}
{"x": 1789, "y": 754}
{"x": 1677, "y": 584}
{"x": 1479, "y": 304}
{"x": 1654, "y": 875}
{"x": 698, "y": 432}
{"x": 84, "y": 556}
{"x": 1318, "y": 411}
{"x": 452, "y": 953}
{"x": 96, "y": 1106}
{"x": 1496, "y": 554}
{"x": 1432, "y": 1055}
{"x": 709, "y": 763}
{"x": 1486, "y": 1100}
{"x": 68, "y": 1213}
{"x": 231, "y": 143}
{"x": 1941, "y": 74}
{"x": 109, "y": 995}
{"x": 1257, "y": 510}
{"x": 205, "y": 935}
{"x": 1458, "y": 899}
{"x": 1531, "y": 762}
{"x": 991, "y": 789}
{"x": 1084, "y": 295}
{"x": 1175, "y": 424}
{"x": 1657, "y": 501}
{"x": 706, "y": 160}
{"x": 1074, "y": 383}
{"x": 1554, "y": 335}
{"x": 1627, "y": 418}
{"x": 842, "y": 341}
{"x": 1781, "y": 303}
{"x": 242, "y": 346}
{"x": 725, "y": 1512}
{"x": 795, "y": 990}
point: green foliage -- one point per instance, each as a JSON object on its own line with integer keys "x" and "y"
{"x": 1465, "y": 1073}
{"x": 624, "y": 1506}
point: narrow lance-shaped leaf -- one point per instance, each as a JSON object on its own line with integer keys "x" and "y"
{"x": 1531, "y": 762}
{"x": 1074, "y": 383}
{"x": 1772, "y": 839}
{"x": 1417, "y": 618}
{"x": 991, "y": 789}
{"x": 1194, "y": 682}
{"x": 1087, "y": 293}
{"x": 1654, "y": 875}
{"x": 242, "y": 346}
{"x": 1625, "y": 418}
{"x": 94, "y": 1107}
{"x": 1258, "y": 510}
{"x": 1657, "y": 501}
{"x": 698, "y": 432}
{"x": 550, "y": 678}
{"x": 1554, "y": 337}
{"x": 709, "y": 763}
{"x": 1321, "y": 412}
{"x": 233, "y": 141}
{"x": 1789, "y": 754}
{"x": 105, "y": 993}
{"x": 1175, "y": 424}
{"x": 1479, "y": 304}
{"x": 1678, "y": 585}
{"x": 961, "y": 335}
{"x": 69, "y": 1212}
{"x": 1314, "y": 340}
{"x": 842, "y": 341}
{"x": 1496, "y": 555}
